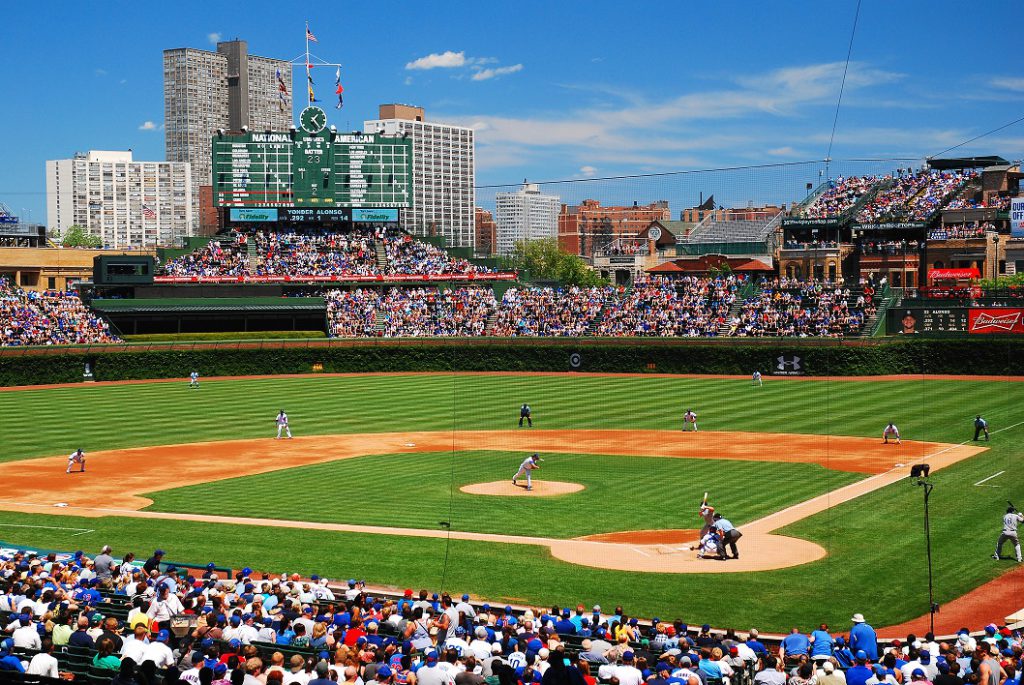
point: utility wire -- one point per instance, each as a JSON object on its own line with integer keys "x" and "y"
{"x": 842, "y": 87}
{"x": 979, "y": 137}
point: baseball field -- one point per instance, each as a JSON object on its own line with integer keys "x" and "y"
{"x": 405, "y": 480}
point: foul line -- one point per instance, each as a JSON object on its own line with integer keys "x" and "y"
{"x": 82, "y": 531}
{"x": 984, "y": 480}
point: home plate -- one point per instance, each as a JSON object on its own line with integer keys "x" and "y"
{"x": 410, "y": 444}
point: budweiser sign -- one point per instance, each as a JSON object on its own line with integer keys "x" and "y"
{"x": 996, "y": 320}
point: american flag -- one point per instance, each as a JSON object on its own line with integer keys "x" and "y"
{"x": 310, "y": 37}
{"x": 147, "y": 212}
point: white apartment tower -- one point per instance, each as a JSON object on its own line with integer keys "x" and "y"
{"x": 443, "y": 174}
{"x": 127, "y": 204}
{"x": 526, "y": 214}
{"x": 227, "y": 89}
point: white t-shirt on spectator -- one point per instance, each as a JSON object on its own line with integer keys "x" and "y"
{"x": 43, "y": 664}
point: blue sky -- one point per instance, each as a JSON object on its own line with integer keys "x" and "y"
{"x": 557, "y": 90}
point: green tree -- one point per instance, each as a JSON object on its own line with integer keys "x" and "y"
{"x": 546, "y": 261}
{"x": 77, "y": 236}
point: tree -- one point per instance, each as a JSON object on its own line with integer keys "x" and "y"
{"x": 78, "y": 237}
{"x": 546, "y": 261}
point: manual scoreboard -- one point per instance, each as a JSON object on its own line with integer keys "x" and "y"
{"x": 303, "y": 169}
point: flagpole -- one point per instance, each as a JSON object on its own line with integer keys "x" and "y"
{"x": 308, "y": 101}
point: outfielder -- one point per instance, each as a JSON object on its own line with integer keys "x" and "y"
{"x": 77, "y": 457}
{"x": 756, "y": 379}
{"x": 1010, "y": 522}
{"x": 980, "y": 426}
{"x": 193, "y": 379}
{"x": 526, "y": 469}
{"x": 690, "y": 419}
{"x": 524, "y": 413}
{"x": 282, "y": 425}
{"x": 892, "y": 430}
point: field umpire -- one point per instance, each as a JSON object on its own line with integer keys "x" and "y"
{"x": 730, "y": 535}
{"x": 524, "y": 413}
{"x": 980, "y": 426}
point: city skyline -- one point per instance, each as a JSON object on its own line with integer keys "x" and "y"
{"x": 554, "y": 92}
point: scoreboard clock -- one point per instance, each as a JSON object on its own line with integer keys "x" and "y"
{"x": 313, "y": 120}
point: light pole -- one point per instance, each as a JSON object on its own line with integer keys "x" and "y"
{"x": 932, "y": 606}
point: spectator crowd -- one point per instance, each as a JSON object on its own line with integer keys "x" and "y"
{"x": 116, "y": 620}
{"x": 786, "y": 308}
{"x": 913, "y": 197}
{"x": 51, "y": 317}
{"x": 841, "y": 195}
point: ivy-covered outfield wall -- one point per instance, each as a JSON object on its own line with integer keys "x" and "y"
{"x": 989, "y": 356}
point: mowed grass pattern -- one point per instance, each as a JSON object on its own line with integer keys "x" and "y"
{"x": 622, "y": 493}
{"x": 875, "y": 563}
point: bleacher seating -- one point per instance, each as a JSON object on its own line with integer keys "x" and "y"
{"x": 51, "y": 317}
{"x": 714, "y": 230}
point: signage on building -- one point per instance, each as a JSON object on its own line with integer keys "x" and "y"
{"x": 252, "y": 215}
{"x": 375, "y": 216}
{"x": 302, "y": 169}
{"x": 1017, "y": 217}
{"x": 318, "y": 214}
{"x": 900, "y": 225}
{"x": 1001, "y": 320}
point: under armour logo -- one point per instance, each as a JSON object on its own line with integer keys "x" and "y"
{"x": 793, "y": 364}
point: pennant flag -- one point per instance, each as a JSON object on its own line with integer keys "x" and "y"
{"x": 280, "y": 83}
{"x": 339, "y": 90}
{"x": 280, "y": 101}
{"x": 310, "y": 37}
{"x": 310, "y": 79}
{"x": 312, "y": 98}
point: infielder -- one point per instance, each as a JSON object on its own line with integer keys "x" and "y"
{"x": 756, "y": 379}
{"x": 77, "y": 457}
{"x": 193, "y": 379}
{"x": 524, "y": 413}
{"x": 282, "y": 425}
{"x": 526, "y": 469}
{"x": 1010, "y": 522}
{"x": 690, "y": 419}
{"x": 892, "y": 430}
{"x": 980, "y": 426}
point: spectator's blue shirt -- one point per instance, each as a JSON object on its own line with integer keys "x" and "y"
{"x": 822, "y": 645}
{"x": 862, "y": 636}
{"x": 565, "y": 627}
{"x": 757, "y": 647}
{"x": 9, "y": 662}
{"x": 710, "y": 668}
{"x": 796, "y": 643}
{"x": 80, "y": 638}
{"x": 858, "y": 675}
{"x": 843, "y": 656}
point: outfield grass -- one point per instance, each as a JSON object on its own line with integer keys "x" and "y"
{"x": 670, "y": 488}
{"x": 876, "y": 546}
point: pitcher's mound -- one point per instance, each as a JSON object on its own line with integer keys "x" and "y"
{"x": 504, "y": 488}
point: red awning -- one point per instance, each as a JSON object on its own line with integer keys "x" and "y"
{"x": 953, "y": 274}
{"x": 666, "y": 268}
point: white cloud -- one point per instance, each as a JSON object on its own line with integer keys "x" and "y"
{"x": 214, "y": 37}
{"x": 588, "y": 171}
{"x": 784, "y": 151}
{"x": 443, "y": 60}
{"x": 1007, "y": 83}
{"x": 100, "y": 72}
{"x": 148, "y": 126}
{"x": 485, "y": 74}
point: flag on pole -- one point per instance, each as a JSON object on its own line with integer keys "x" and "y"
{"x": 309, "y": 77}
{"x": 310, "y": 37}
{"x": 339, "y": 90}
{"x": 312, "y": 98}
{"x": 280, "y": 83}
{"x": 147, "y": 212}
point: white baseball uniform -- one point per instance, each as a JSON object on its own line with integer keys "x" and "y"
{"x": 193, "y": 379}
{"x": 690, "y": 418}
{"x": 526, "y": 469}
{"x": 892, "y": 430}
{"x": 282, "y": 425}
{"x": 76, "y": 457}
{"x": 1009, "y": 534}
{"x": 757, "y": 378}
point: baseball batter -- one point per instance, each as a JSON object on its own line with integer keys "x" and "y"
{"x": 1011, "y": 520}
{"x": 707, "y": 512}
{"x": 690, "y": 419}
{"x": 527, "y": 468}
{"x": 77, "y": 457}
{"x": 193, "y": 379}
{"x": 282, "y": 425}
{"x": 891, "y": 431}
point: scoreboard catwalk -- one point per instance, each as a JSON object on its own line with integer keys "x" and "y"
{"x": 301, "y": 169}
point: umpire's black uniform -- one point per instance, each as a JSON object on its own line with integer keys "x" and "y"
{"x": 524, "y": 413}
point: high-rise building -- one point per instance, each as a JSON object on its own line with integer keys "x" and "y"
{"x": 443, "y": 173}
{"x": 526, "y": 214}
{"x": 228, "y": 89}
{"x": 588, "y": 226}
{"x": 125, "y": 203}
{"x": 486, "y": 232}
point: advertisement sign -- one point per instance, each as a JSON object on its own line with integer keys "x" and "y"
{"x": 407, "y": 278}
{"x": 997, "y": 320}
{"x": 788, "y": 365}
{"x": 253, "y": 215}
{"x": 374, "y": 216}
{"x": 1017, "y": 217}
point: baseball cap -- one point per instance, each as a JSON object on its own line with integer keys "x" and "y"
{"x": 627, "y": 656}
{"x": 157, "y": 553}
{"x": 383, "y": 672}
{"x": 408, "y": 593}
{"x": 163, "y": 636}
{"x": 465, "y": 598}
{"x": 918, "y": 672}
{"x": 862, "y": 655}
{"x": 220, "y": 669}
{"x": 234, "y": 643}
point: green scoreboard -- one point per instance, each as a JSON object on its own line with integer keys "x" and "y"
{"x": 319, "y": 169}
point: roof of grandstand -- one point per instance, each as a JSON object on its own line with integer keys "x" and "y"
{"x": 966, "y": 162}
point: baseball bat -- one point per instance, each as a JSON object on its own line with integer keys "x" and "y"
{"x": 705, "y": 500}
